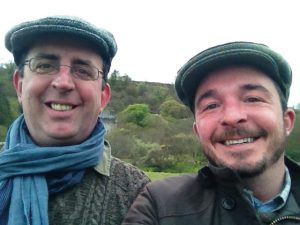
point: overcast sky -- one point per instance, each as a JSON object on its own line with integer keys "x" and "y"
{"x": 156, "y": 37}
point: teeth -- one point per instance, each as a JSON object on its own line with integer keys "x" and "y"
{"x": 60, "y": 107}
{"x": 241, "y": 141}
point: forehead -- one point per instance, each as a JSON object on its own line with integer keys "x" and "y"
{"x": 233, "y": 77}
{"x": 64, "y": 45}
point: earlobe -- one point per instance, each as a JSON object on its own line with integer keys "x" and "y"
{"x": 289, "y": 120}
{"x": 105, "y": 97}
{"x": 17, "y": 82}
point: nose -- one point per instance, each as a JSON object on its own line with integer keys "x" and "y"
{"x": 64, "y": 79}
{"x": 233, "y": 114}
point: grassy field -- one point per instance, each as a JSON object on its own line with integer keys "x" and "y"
{"x": 160, "y": 175}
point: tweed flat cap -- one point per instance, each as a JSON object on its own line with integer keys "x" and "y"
{"x": 19, "y": 39}
{"x": 259, "y": 56}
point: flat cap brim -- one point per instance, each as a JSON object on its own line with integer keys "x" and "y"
{"x": 259, "y": 56}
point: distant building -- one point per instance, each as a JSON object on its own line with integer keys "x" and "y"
{"x": 109, "y": 119}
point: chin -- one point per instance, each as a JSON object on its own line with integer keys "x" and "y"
{"x": 251, "y": 170}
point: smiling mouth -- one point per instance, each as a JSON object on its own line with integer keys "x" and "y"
{"x": 239, "y": 141}
{"x": 60, "y": 107}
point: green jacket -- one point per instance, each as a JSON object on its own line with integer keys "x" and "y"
{"x": 208, "y": 198}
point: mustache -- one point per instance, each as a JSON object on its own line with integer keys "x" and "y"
{"x": 238, "y": 132}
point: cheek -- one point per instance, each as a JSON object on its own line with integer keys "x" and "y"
{"x": 92, "y": 94}
{"x": 28, "y": 89}
{"x": 204, "y": 130}
{"x": 269, "y": 120}
{"x": 36, "y": 85}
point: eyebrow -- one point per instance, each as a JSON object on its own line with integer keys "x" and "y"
{"x": 253, "y": 87}
{"x": 47, "y": 56}
{"x": 56, "y": 57}
{"x": 207, "y": 94}
{"x": 245, "y": 87}
{"x": 82, "y": 62}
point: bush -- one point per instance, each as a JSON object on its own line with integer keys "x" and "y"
{"x": 3, "y": 131}
{"x": 137, "y": 114}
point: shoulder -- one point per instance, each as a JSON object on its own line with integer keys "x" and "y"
{"x": 291, "y": 164}
{"x": 177, "y": 195}
{"x": 120, "y": 166}
{"x": 127, "y": 174}
{"x": 184, "y": 188}
{"x": 173, "y": 185}
{"x": 294, "y": 170}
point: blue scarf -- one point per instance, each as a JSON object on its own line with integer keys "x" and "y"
{"x": 25, "y": 182}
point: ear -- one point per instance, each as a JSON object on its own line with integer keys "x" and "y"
{"x": 18, "y": 82}
{"x": 195, "y": 130}
{"x": 289, "y": 118}
{"x": 105, "y": 97}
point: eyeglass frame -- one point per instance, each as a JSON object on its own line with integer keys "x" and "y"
{"x": 27, "y": 62}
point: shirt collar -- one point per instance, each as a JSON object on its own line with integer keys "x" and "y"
{"x": 103, "y": 166}
{"x": 275, "y": 203}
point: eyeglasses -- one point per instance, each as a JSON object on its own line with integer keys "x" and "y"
{"x": 44, "y": 66}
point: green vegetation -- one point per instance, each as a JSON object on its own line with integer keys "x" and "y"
{"x": 9, "y": 106}
{"x": 293, "y": 143}
{"x": 160, "y": 175}
{"x": 153, "y": 129}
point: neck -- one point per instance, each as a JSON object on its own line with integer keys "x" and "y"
{"x": 268, "y": 184}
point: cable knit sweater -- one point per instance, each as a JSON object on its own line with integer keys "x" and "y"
{"x": 98, "y": 199}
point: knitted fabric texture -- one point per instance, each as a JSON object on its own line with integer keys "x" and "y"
{"x": 98, "y": 199}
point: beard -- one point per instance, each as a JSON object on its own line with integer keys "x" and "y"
{"x": 263, "y": 164}
{"x": 249, "y": 170}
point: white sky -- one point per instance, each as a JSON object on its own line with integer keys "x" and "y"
{"x": 156, "y": 37}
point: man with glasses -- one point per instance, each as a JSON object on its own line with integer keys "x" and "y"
{"x": 55, "y": 166}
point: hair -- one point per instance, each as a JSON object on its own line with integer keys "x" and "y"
{"x": 282, "y": 98}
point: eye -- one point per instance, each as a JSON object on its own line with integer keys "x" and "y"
{"x": 210, "y": 106}
{"x": 83, "y": 72}
{"x": 253, "y": 99}
{"x": 43, "y": 66}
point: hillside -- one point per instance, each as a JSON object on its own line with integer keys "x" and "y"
{"x": 151, "y": 128}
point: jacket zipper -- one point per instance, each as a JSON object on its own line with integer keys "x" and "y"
{"x": 296, "y": 218}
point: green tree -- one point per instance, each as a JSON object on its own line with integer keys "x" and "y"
{"x": 172, "y": 108}
{"x": 9, "y": 106}
{"x": 113, "y": 79}
{"x": 5, "y": 110}
{"x": 155, "y": 97}
{"x": 3, "y": 130}
{"x": 138, "y": 114}
{"x": 121, "y": 142}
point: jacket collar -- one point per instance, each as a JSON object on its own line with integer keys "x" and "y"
{"x": 211, "y": 174}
